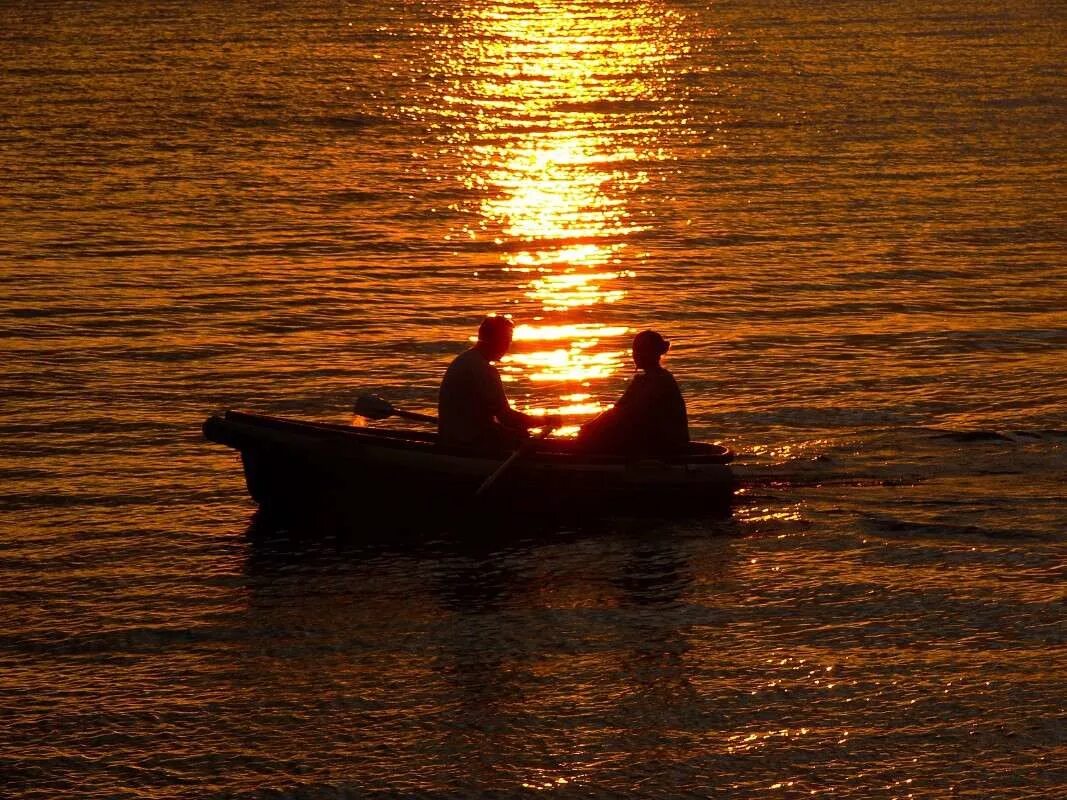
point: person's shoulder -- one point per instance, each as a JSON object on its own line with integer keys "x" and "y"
{"x": 474, "y": 363}
{"x": 459, "y": 364}
{"x": 660, "y": 374}
{"x": 665, "y": 378}
{"x": 469, "y": 358}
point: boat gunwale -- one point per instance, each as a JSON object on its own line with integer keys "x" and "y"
{"x": 420, "y": 442}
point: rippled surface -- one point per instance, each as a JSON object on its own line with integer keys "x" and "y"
{"x": 847, "y": 216}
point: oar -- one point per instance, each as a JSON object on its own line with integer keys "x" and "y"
{"x": 525, "y": 448}
{"x": 373, "y": 407}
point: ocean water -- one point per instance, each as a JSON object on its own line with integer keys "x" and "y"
{"x": 849, "y": 218}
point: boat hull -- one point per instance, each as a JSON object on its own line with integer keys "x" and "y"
{"x": 297, "y": 467}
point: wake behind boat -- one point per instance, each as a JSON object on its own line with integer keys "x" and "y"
{"x": 294, "y": 466}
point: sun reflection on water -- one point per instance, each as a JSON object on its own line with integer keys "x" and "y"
{"x": 556, "y": 110}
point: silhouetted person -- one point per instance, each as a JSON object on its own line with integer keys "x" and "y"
{"x": 649, "y": 419}
{"x": 472, "y": 410}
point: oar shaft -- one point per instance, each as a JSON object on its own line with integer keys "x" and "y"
{"x": 500, "y": 471}
{"x": 415, "y": 416}
{"x": 525, "y": 448}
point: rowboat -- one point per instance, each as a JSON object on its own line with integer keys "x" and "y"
{"x": 293, "y": 466}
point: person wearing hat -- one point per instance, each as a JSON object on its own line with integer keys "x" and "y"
{"x": 650, "y": 417}
{"x": 473, "y": 412}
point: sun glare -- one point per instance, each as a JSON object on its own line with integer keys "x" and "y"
{"x": 561, "y": 104}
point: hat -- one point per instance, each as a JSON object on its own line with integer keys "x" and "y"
{"x": 651, "y": 342}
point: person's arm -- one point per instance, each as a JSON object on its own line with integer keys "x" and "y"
{"x": 610, "y": 421}
{"x": 660, "y": 419}
{"x": 675, "y": 419}
{"x": 638, "y": 399}
{"x": 501, "y": 408}
{"x": 510, "y": 418}
{"x": 517, "y": 419}
{"x": 640, "y": 405}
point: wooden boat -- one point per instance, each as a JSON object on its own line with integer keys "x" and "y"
{"x": 293, "y": 466}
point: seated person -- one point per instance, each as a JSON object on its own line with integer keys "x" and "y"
{"x": 649, "y": 419}
{"x": 472, "y": 409}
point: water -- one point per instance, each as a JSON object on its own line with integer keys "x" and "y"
{"x": 847, "y": 216}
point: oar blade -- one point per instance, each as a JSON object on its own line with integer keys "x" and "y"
{"x": 373, "y": 407}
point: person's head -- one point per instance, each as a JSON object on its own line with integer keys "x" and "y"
{"x": 494, "y": 336}
{"x": 648, "y": 349}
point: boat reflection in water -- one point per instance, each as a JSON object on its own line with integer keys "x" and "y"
{"x": 555, "y": 119}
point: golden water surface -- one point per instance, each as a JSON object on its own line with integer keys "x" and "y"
{"x": 848, "y": 217}
{"x": 554, "y": 114}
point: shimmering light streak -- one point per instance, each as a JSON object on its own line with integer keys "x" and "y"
{"x": 545, "y": 332}
{"x": 555, "y": 110}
